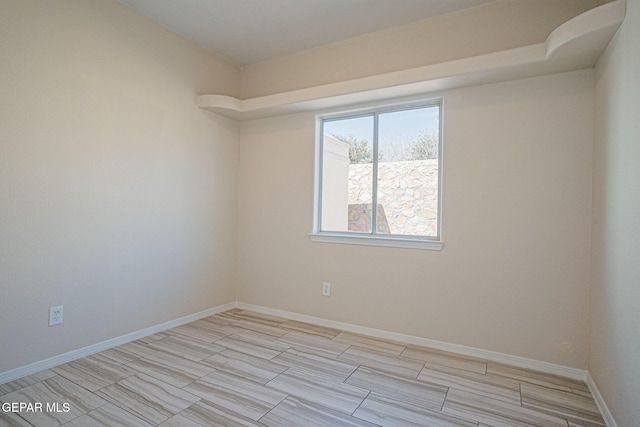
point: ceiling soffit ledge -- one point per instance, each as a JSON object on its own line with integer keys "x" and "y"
{"x": 574, "y": 45}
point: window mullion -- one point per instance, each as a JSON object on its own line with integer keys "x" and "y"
{"x": 320, "y": 166}
{"x": 374, "y": 186}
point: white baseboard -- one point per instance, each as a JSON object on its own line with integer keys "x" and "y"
{"x": 104, "y": 345}
{"x": 602, "y": 405}
{"x": 521, "y": 362}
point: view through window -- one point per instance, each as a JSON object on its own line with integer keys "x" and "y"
{"x": 384, "y": 165}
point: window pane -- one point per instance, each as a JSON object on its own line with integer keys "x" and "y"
{"x": 347, "y": 180}
{"x": 408, "y": 144}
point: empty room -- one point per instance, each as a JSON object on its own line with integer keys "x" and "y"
{"x": 319, "y": 213}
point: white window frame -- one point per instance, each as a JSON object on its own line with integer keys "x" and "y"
{"x": 370, "y": 239}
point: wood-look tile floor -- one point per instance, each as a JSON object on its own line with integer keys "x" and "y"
{"x": 240, "y": 368}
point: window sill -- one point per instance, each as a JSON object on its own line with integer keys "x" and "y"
{"x": 393, "y": 242}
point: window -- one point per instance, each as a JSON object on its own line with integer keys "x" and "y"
{"x": 378, "y": 177}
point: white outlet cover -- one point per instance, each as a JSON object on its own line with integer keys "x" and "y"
{"x": 326, "y": 289}
{"x": 55, "y": 315}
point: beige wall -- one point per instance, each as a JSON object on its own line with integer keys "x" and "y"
{"x": 614, "y": 349}
{"x": 514, "y": 272}
{"x": 499, "y": 25}
{"x": 117, "y": 194}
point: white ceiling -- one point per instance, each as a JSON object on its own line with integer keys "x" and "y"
{"x": 249, "y": 31}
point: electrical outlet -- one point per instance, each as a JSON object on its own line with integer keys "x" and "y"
{"x": 55, "y": 315}
{"x": 326, "y": 289}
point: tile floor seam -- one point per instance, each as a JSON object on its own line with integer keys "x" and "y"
{"x": 445, "y": 399}
{"x": 360, "y": 404}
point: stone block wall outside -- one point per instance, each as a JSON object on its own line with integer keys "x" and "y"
{"x": 407, "y": 192}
